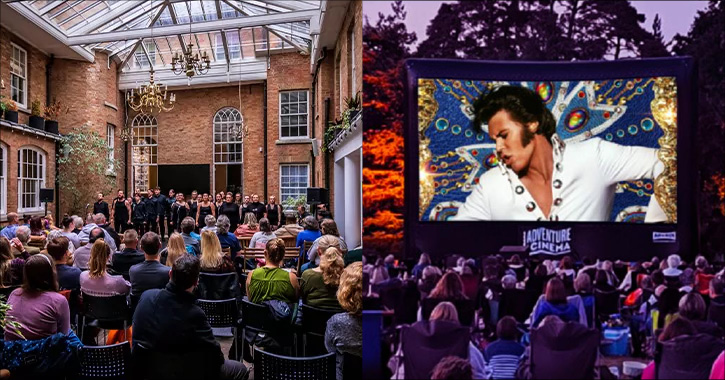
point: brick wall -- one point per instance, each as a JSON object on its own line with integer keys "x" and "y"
{"x": 36, "y": 62}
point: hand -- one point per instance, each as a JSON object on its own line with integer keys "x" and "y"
{"x": 157, "y": 219}
{"x": 15, "y": 243}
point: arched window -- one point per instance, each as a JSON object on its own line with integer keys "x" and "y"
{"x": 228, "y": 155}
{"x": 144, "y": 152}
{"x": 3, "y": 179}
{"x": 31, "y": 177}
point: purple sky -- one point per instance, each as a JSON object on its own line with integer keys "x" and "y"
{"x": 677, "y": 16}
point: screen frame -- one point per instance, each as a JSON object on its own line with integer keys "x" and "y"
{"x": 604, "y": 240}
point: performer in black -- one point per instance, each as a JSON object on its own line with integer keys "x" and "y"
{"x": 101, "y": 207}
{"x": 273, "y": 213}
{"x": 161, "y": 211}
{"x": 152, "y": 212}
{"x": 179, "y": 211}
{"x": 194, "y": 204}
{"x": 206, "y": 207}
{"x": 138, "y": 214}
{"x": 257, "y": 207}
{"x": 120, "y": 212}
{"x": 231, "y": 210}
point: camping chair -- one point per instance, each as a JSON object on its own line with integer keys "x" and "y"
{"x": 563, "y": 350}
{"x": 606, "y": 303}
{"x": 716, "y": 313}
{"x": 423, "y": 344}
{"x": 687, "y": 357}
{"x": 466, "y": 309}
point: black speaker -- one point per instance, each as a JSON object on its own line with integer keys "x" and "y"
{"x": 47, "y": 195}
{"x": 318, "y": 195}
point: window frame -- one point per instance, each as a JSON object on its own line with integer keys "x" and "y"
{"x": 353, "y": 66}
{"x": 40, "y": 181}
{"x": 23, "y": 104}
{"x": 111, "y": 142}
{"x": 3, "y": 179}
{"x": 227, "y": 142}
{"x": 153, "y": 127}
{"x": 306, "y": 165}
{"x": 307, "y": 114}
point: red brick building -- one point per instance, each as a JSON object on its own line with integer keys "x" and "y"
{"x": 280, "y": 70}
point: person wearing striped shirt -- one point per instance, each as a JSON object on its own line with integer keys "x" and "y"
{"x": 503, "y": 355}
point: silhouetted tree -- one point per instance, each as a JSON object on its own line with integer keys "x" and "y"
{"x": 655, "y": 46}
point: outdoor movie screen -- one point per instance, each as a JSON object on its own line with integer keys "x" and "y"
{"x": 536, "y": 149}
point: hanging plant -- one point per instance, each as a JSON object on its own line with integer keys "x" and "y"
{"x": 7, "y": 321}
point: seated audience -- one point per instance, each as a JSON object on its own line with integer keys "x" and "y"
{"x": 37, "y": 305}
{"x": 423, "y": 262}
{"x": 38, "y": 233}
{"x": 173, "y": 250}
{"x": 344, "y": 330}
{"x": 687, "y": 280}
{"x": 226, "y": 238}
{"x": 717, "y": 290}
{"x": 8, "y": 231}
{"x": 519, "y": 269}
{"x": 430, "y": 277}
{"x": 310, "y": 233}
{"x": 508, "y": 282}
{"x": 290, "y": 228}
{"x": 11, "y": 269}
{"x": 77, "y": 225}
{"x": 22, "y": 233}
{"x": 56, "y": 234}
{"x": 449, "y": 288}
{"x": 265, "y": 234}
{"x": 130, "y": 256}
{"x": 503, "y": 355}
{"x": 209, "y": 223}
{"x": 537, "y": 281}
{"x": 97, "y": 220}
{"x": 68, "y": 276}
{"x": 68, "y": 226}
{"x": 168, "y": 321}
{"x": 319, "y": 285}
{"x": 332, "y": 235}
{"x": 602, "y": 283}
{"x": 150, "y": 274}
{"x": 187, "y": 227}
{"x": 271, "y": 282}
{"x": 445, "y": 311}
{"x": 96, "y": 281}
{"x": 693, "y": 307}
{"x": 672, "y": 272}
{"x": 82, "y": 255}
{"x": 678, "y": 327}
{"x": 213, "y": 260}
{"x": 452, "y": 367}
{"x": 555, "y": 303}
{"x": 249, "y": 227}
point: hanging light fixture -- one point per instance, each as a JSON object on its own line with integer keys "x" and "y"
{"x": 126, "y": 134}
{"x": 190, "y": 63}
{"x": 149, "y": 97}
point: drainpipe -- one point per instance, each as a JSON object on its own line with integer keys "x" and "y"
{"x": 48, "y": 72}
{"x": 125, "y": 168}
{"x": 265, "y": 140}
{"x": 326, "y": 157}
{"x": 314, "y": 114}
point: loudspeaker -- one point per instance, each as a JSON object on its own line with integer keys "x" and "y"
{"x": 318, "y": 195}
{"x": 47, "y": 195}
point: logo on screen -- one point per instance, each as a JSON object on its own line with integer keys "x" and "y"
{"x": 549, "y": 242}
{"x": 664, "y": 237}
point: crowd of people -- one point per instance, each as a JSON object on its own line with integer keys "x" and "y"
{"x": 482, "y": 318}
{"x": 43, "y": 266}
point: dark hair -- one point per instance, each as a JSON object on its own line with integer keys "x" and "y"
{"x": 36, "y": 226}
{"x": 187, "y": 224}
{"x": 96, "y": 233}
{"x": 555, "y": 291}
{"x": 452, "y": 367}
{"x": 587, "y": 261}
{"x": 658, "y": 278}
{"x": 264, "y": 225}
{"x": 693, "y": 307}
{"x": 600, "y": 277}
{"x": 541, "y": 270}
{"x": 185, "y": 271}
{"x": 717, "y": 285}
{"x": 523, "y": 105}
{"x": 275, "y": 250}
{"x": 324, "y": 214}
{"x": 449, "y": 287}
{"x": 506, "y": 328}
{"x": 150, "y": 244}
{"x": 58, "y": 247}
{"x": 39, "y": 274}
{"x": 678, "y": 327}
{"x": 566, "y": 263}
{"x": 66, "y": 222}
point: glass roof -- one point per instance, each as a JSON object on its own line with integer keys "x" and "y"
{"x": 109, "y": 20}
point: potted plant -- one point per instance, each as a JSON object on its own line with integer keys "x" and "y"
{"x": 52, "y": 112}
{"x": 10, "y": 111}
{"x": 353, "y": 105}
{"x": 36, "y": 121}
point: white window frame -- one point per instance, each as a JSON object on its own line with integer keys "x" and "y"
{"x": 3, "y": 180}
{"x": 226, "y": 139}
{"x": 306, "y": 113}
{"x": 40, "y": 182}
{"x": 307, "y": 166}
{"x": 353, "y": 67}
{"x": 110, "y": 140}
{"x": 143, "y": 122}
{"x": 24, "y": 103}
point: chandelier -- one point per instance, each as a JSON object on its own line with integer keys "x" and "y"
{"x": 149, "y": 97}
{"x": 190, "y": 63}
{"x": 240, "y": 131}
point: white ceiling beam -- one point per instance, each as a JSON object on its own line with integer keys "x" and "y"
{"x": 224, "y": 35}
{"x": 172, "y": 13}
{"x": 139, "y": 42}
{"x": 291, "y": 5}
{"x": 101, "y": 18}
{"x": 48, "y": 7}
{"x": 201, "y": 27}
{"x": 247, "y": 70}
{"x": 275, "y": 29}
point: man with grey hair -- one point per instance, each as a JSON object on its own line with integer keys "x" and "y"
{"x": 102, "y": 221}
{"x": 58, "y": 233}
{"x": 673, "y": 262}
{"x": 86, "y": 231}
{"x": 508, "y": 282}
{"x": 13, "y": 224}
{"x": 210, "y": 223}
{"x": 226, "y": 238}
{"x": 187, "y": 227}
{"x": 78, "y": 223}
{"x": 83, "y": 254}
{"x": 23, "y": 234}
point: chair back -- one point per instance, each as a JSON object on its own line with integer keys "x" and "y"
{"x": 716, "y": 313}
{"x": 6, "y": 291}
{"x": 134, "y": 302}
{"x": 466, "y": 309}
{"x": 563, "y": 350}
{"x": 227, "y": 251}
{"x": 106, "y": 309}
{"x": 290, "y": 241}
{"x": 105, "y": 362}
{"x": 153, "y": 365}
{"x": 351, "y": 367}
{"x": 606, "y": 303}
{"x": 220, "y": 313}
{"x": 517, "y": 303}
{"x": 256, "y": 317}
{"x": 314, "y": 319}
{"x": 268, "y": 366}
{"x": 687, "y": 357}
{"x": 218, "y": 286}
{"x": 425, "y": 343}
{"x": 244, "y": 241}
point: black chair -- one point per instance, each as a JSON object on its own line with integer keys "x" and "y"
{"x": 351, "y": 367}
{"x": 218, "y": 286}
{"x": 372, "y": 303}
{"x": 134, "y": 302}
{"x": 108, "y": 313}
{"x": 221, "y": 314}
{"x": 716, "y": 313}
{"x": 606, "y": 303}
{"x": 154, "y": 365}
{"x": 105, "y": 362}
{"x": 466, "y": 309}
{"x": 314, "y": 324}
{"x": 517, "y": 303}
{"x": 243, "y": 283}
{"x": 687, "y": 357}
{"x": 268, "y": 366}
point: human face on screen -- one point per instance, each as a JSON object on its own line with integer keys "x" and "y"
{"x": 513, "y": 141}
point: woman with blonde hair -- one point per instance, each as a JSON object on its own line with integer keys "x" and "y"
{"x": 213, "y": 260}
{"x": 250, "y": 226}
{"x": 319, "y": 285}
{"x": 96, "y": 281}
{"x": 344, "y": 330}
{"x": 175, "y": 249}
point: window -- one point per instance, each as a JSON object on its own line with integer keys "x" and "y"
{"x": 293, "y": 181}
{"x": 293, "y": 114}
{"x": 227, "y": 146}
{"x": 142, "y": 60}
{"x": 235, "y": 51}
{"x": 3, "y": 177}
{"x": 19, "y": 76}
{"x": 31, "y": 177}
{"x": 144, "y": 152}
{"x": 338, "y": 77}
{"x": 353, "y": 69}
{"x": 110, "y": 135}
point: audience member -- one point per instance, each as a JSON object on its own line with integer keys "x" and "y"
{"x": 672, "y": 272}
{"x": 687, "y": 280}
{"x": 430, "y": 277}
{"x": 423, "y": 262}
{"x": 130, "y": 256}
{"x": 452, "y": 367}
{"x": 209, "y": 223}
{"x": 187, "y": 227}
{"x": 168, "y": 321}
{"x": 22, "y": 233}
{"x": 13, "y": 223}
{"x": 331, "y": 237}
{"x": 112, "y": 238}
{"x": 508, "y": 282}
{"x": 519, "y": 269}
{"x": 82, "y": 255}
{"x": 344, "y": 330}
{"x": 310, "y": 233}
{"x": 538, "y": 280}
{"x": 68, "y": 276}
{"x": 555, "y": 303}
{"x": 319, "y": 285}
{"x": 601, "y": 282}
{"x": 502, "y": 355}
{"x": 290, "y": 228}
{"x": 96, "y": 281}
{"x": 693, "y": 307}
{"x": 96, "y": 221}
{"x": 449, "y": 288}
{"x": 676, "y": 328}
{"x": 271, "y": 282}
{"x": 226, "y": 238}
{"x": 37, "y": 305}
{"x": 265, "y": 234}
{"x": 249, "y": 227}
{"x": 150, "y": 274}
{"x": 11, "y": 269}
{"x": 77, "y": 225}
{"x": 445, "y": 311}
{"x": 173, "y": 250}
{"x": 68, "y": 226}
{"x": 213, "y": 260}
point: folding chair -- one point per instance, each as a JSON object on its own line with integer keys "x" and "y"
{"x": 314, "y": 324}
{"x": 221, "y": 314}
{"x": 107, "y": 313}
{"x": 268, "y": 366}
{"x": 105, "y": 362}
